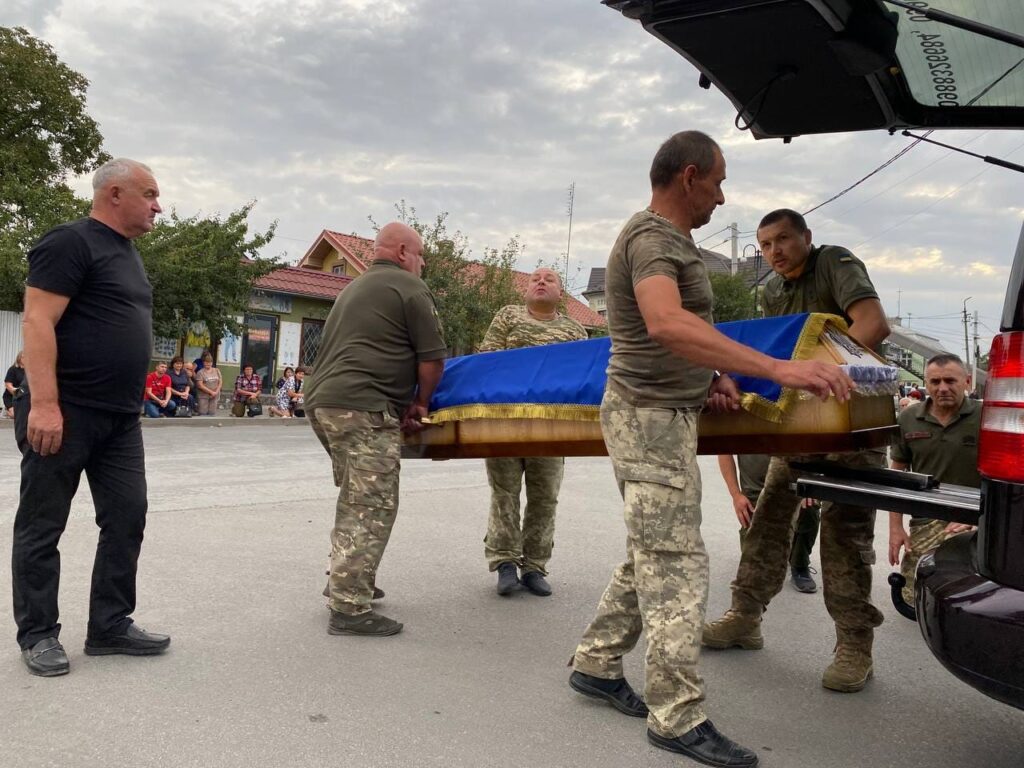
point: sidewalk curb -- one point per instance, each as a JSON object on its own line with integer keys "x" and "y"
{"x": 204, "y": 421}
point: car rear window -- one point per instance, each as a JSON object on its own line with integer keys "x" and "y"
{"x": 947, "y": 67}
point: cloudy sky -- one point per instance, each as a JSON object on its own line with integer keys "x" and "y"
{"x": 327, "y": 112}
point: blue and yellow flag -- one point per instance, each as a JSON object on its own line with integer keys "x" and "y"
{"x": 566, "y": 381}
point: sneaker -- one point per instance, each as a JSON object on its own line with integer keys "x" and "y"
{"x": 508, "y": 579}
{"x": 536, "y": 583}
{"x": 370, "y": 624}
{"x": 802, "y": 579}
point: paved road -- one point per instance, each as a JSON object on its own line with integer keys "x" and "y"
{"x": 233, "y": 568}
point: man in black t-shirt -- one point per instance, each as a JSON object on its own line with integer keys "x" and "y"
{"x": 86, "y": 291}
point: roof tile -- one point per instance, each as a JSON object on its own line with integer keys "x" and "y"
{"x": 304, "y": 282}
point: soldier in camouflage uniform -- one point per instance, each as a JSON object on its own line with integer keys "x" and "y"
{"x": 744, "y": 490}
{"x": 507, "y": 544}
{"x": 811, "y": 279}
{"x": 380, "y": 359}
{"x": 937, "y": 437}
{"x": 659, "y": 377}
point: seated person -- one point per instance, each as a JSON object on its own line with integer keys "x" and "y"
{"x": 181, "y": 384}
{"x": 157, "y": 400}
{"x": 285, "y": 388}
{"x": 247, "y": 389}
{"x": 288, "y": 373}
{"x": 208, "y": 385}
{"x": 297, "y": 397}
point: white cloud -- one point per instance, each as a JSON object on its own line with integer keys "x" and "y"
{"x": 329, "y": 111}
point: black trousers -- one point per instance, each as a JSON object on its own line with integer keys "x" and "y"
{"x": 108, "y": 447}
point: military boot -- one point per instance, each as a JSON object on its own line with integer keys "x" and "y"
{"x": 734, "y": 630}
{"x": 851, "y": 667}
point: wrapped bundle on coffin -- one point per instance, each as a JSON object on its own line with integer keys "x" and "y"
{"x": 545, "y": 401}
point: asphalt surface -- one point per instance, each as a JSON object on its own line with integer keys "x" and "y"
{"x": 233, "y": 567}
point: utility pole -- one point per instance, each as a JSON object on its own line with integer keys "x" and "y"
{"x": 899, "y": 298}
{"x": 967, "y": 347}
{"x": 569, "y": 205}
{"x": 977, "y": 353}
{"x": 734, "y": 236}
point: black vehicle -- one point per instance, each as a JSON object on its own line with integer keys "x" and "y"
{"x": 892, "y": 65}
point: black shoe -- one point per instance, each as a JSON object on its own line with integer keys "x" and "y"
{"x": 802, "y": 579}
{"x": 368, "y": 624}
{"x": 46, "y": 658}
{"x": 616, "y": 692}
{"x": 536, "y": 583}
{"x": 508, "y": 580}
{"x": 132, "y": 642}
{"x": 706, "y": 745}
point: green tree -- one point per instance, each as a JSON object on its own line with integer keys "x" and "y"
{"x": 468, "y": 292}
{"x": 733, "y": 298}
{"x": 202, "y": 270}
{"x": 45, "y": 136}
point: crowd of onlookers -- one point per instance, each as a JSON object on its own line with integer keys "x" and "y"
{"x": 187, "y": 389}
{"x": 194, "y": 388}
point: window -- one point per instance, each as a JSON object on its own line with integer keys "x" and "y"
{"x": 309, "y": 344}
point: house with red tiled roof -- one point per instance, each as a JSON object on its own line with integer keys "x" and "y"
{"x": 350, "y": 255}
{"x": 338, "y": 254}
{"x": 286, "y": 314}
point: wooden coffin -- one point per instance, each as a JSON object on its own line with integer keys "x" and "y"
{"x": 808, "y": 425}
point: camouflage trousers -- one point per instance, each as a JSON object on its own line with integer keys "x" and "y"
{"x": 365, "y": 451}
{"x": 846, "y": 541}
{"x": 662, "y": 586}
{"x": 529, "y": 545}
{"x": 925, "y": 535}
{"x": 804, "y": 536}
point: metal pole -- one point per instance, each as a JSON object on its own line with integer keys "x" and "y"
{"x": 572, "y": 196}
{"x": 967, "y": 344}
{"x": 734, "y": 232}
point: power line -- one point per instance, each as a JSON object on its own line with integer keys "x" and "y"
{"x": 860, "y": 181}
{"x": 723, "y": 229}
{"x": 903, "y": 180}
{"x": 935, "y": 202}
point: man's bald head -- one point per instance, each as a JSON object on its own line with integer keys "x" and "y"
{"x": 399, "y": 243}
{"x": 543, "y": 291}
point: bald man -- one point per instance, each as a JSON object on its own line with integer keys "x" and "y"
{"x": 510, "y": 543}
{"x": 381, "y": 357}
{"x": 86, "y": 286}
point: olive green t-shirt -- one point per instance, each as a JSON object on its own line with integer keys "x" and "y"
{"x": 646, "y": 373}
{"x": 513, "y": 327}
{"x": 753, "y": 469}
{"x": 832, "y": 280}
{"x": 381, "y": 326}
{"x": 950, "y": 452}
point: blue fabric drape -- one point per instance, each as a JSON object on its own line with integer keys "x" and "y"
{"x": 573, "y": 373}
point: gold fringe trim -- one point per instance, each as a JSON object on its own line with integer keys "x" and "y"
{"x": 757, "y": 405}
{"x": 560, "y": 411}
{"x": 806, "y": 343}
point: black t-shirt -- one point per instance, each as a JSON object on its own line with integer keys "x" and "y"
{"x": 179, "y": 380}
{"x": 16, "y": 376}
{"x": 105, "y": 336}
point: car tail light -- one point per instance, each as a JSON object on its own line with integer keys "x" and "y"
{"x": 1001, "y": 447}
